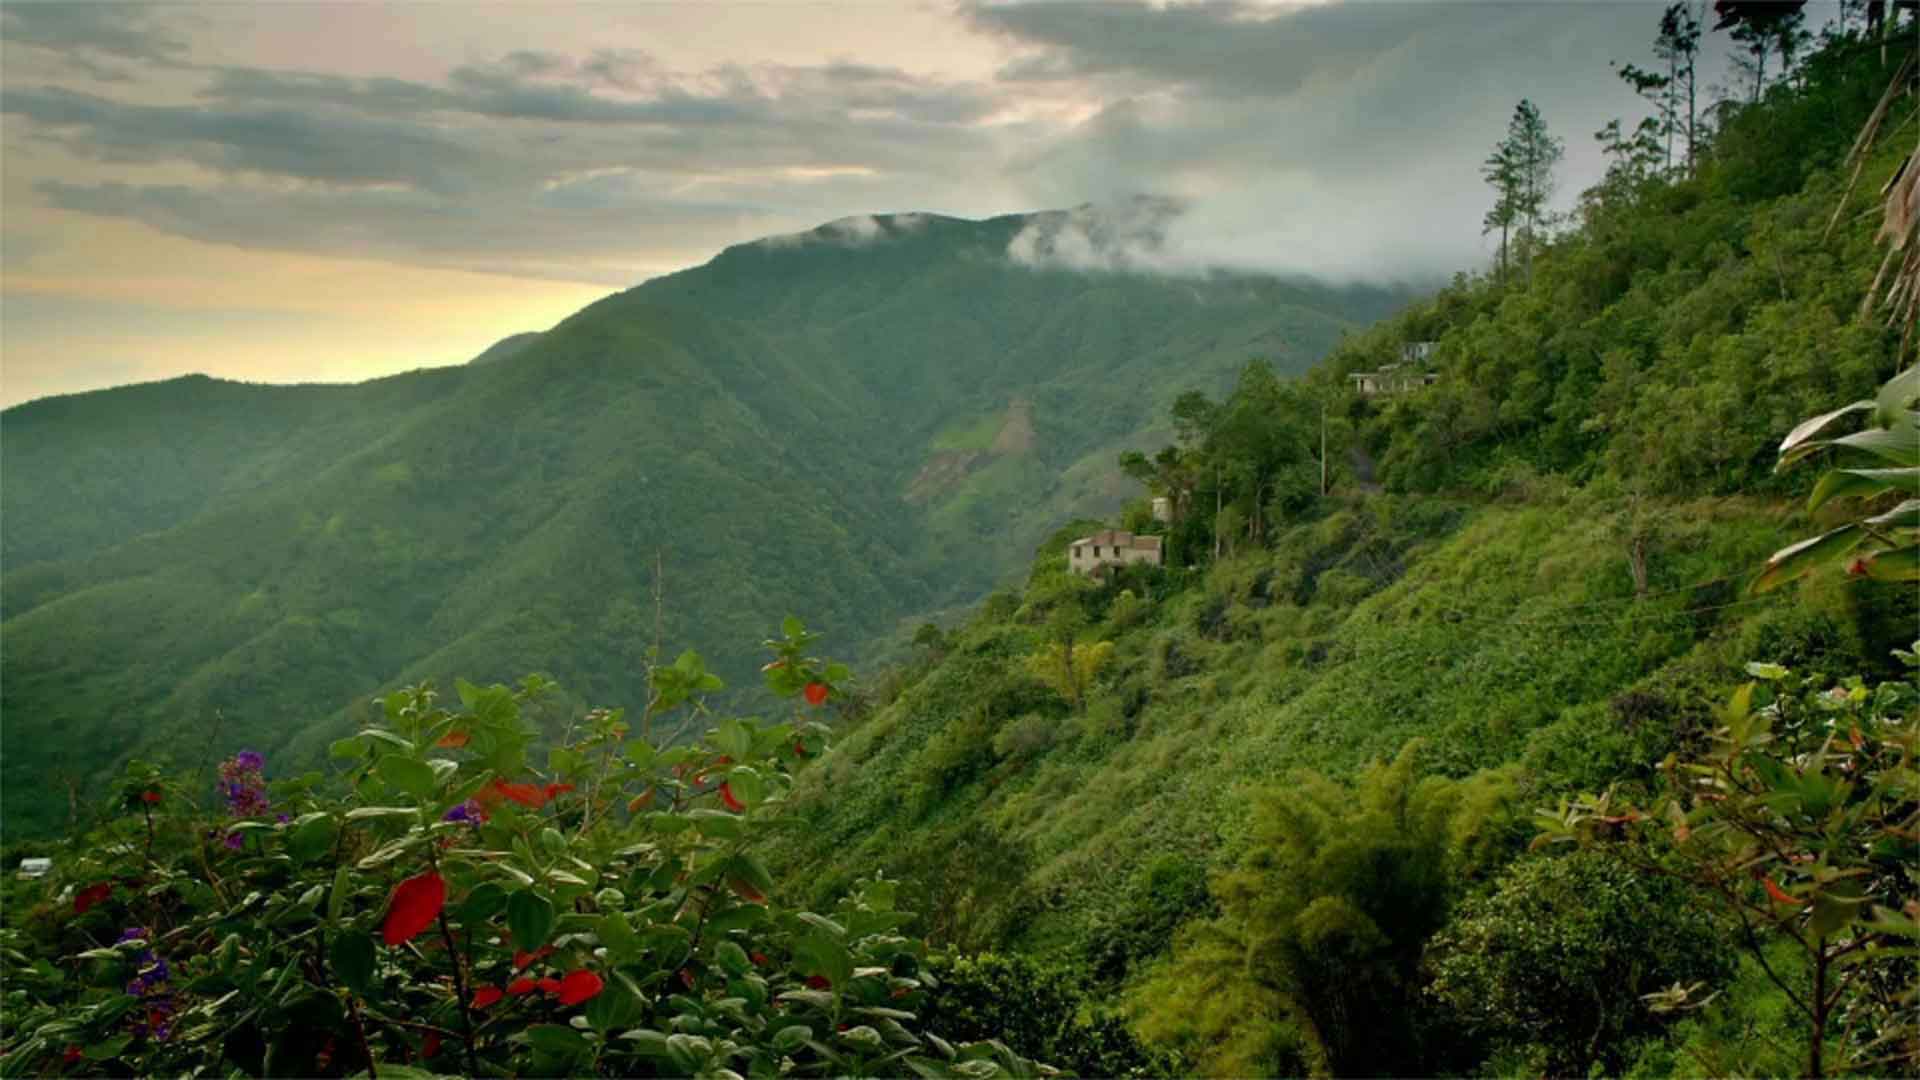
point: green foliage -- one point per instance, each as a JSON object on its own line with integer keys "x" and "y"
{"x": 1800, "y": 823}
{"x": 1891, "y": 445}
{"x": 1552, "y": 963}
{"x": 1667, "y": 341}
{"x": 455, "y": 912}
{"x": 1038, "y": 1010}
{"x": 1068, "y": 667}
{"x": 1332, "y": 907}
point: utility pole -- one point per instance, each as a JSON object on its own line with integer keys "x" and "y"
{"x": 1323, "y": 449}
{"x": 1216, "y": 511}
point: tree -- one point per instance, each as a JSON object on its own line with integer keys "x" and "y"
{"x": 1169, "y": 473}
{"x": 1672, "y": 92}
{"x": 1762, "y": 28}
{"x": 1520, "y": 170}
{"x": 1063, "y": 663}
{"x": 1679, "y": 45}
{"x": 1555, "y": 959}
{"x": 1329, "y": 914}
{"x": 931, "y": 638}
{"x": 1632, "y": 160}
{"x": 1501, "y": 173}
{"x": 1800, "y": 823}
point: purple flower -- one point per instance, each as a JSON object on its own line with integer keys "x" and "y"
{"x": 236, "y": 841}
{"x": 244, "y": 785}
{"x": 134, "y": 933}
{"x": 468, "y": 812}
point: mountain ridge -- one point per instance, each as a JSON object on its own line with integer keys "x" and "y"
{"x": 197, "y": 548}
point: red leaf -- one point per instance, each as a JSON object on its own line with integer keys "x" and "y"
{"x": 817, "y": 693}
{"x": 580, "y": 986}
{"x": 482, "y": 998}
{"x": 522, "y": 986}
{"x": 759, "y": 959}
{"x": 799, "y": 748}
{"x": 726, "y": 796}
{"x": 747, "y": 892}
{"x": 522, "y": 958}
{"x": 416, "y": 903}
{"x": 149, "y": 797}
{"x": 453, "y": 740}
{"x": 550, "y": 985}
{"x": 72, "y": 1053}
{"x": 819, "y": 982}
{"x": 640, "y": 802}
{"x": 1779, "y": 895}
{"x": 556, "y": 790}
{"x": 431, "y": 1045}
{"x": 90, "y": 896}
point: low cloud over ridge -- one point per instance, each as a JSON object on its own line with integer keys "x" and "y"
{"x": 596, "y": 148}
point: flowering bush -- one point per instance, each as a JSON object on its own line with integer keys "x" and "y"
{"x": 453, "y": 909}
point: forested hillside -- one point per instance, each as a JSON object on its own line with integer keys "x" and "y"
{"x": 857, "y": 423}
{"x": 1530, "y": 687}
{"x": 1280, "y": 805}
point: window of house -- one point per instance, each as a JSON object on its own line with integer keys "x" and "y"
{"x": 1096, "y": 551}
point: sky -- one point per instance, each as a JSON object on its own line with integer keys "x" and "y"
{"x": 287, "y": 191}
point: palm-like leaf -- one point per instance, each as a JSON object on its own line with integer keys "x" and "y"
{"x": 1894, "y": 536}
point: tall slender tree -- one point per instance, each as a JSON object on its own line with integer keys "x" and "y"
{"x": 1679, "y": 45}
{"x": 1520, "y": 170}
{"x": 1501, "y": 174}
{"x": 1672, "y": 91}
{"x": 1763, "y": 29}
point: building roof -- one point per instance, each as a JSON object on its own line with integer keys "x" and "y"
{"x": 1120, "y": 539}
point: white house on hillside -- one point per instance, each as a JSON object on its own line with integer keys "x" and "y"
{"x": 1409, "y": 374}
{"x": 1112, "y": 548}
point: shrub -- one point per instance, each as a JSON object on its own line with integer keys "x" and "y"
{"x": 453, "y": 910}
{"x": 1038, "y": 1010}
{"x": 1027, "y": 736}
{"x": 1557, "y": 956}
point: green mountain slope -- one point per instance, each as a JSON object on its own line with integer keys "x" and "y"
{"x": 1535, "y": 574}
{"x": 775, "y": 427}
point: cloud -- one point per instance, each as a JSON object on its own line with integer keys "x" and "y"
{"x": 1132, "y": 234}
{"x": 1228, "y": 48}
{"x": 87, "y": 34}
{"x": 535, "y": 162}
{"x": 857, "y": 230}
{"x": 1341, "y": 140}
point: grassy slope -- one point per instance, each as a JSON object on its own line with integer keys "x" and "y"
{"x": 1500, "y": 632}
